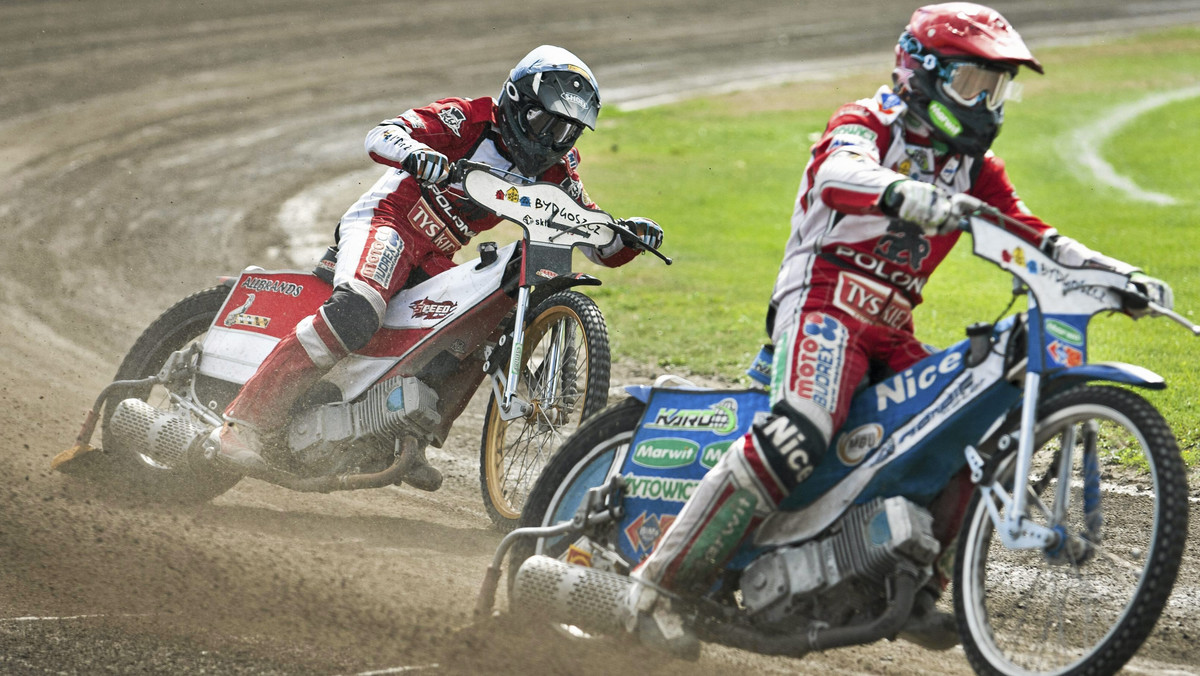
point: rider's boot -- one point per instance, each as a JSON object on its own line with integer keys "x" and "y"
{"x": 239, "y": 447}
{"x": 754, "y": 476}
{"x": 927, "y": 626}
{"x": 422, "y": 476}
{"x": 262, "y": 406}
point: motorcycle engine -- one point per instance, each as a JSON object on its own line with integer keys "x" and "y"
{"x": 320, "y": 437}
{"x": 836, "y": 577}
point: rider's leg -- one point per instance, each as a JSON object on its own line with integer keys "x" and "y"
{"x": 344, "y": 323}
{"x": 816, "y": 368}
{"x": 364, "y": 280}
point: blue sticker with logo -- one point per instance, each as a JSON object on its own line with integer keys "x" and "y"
{"x": 683, "y": 434}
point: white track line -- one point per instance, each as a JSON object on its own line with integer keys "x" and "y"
{"x": 397, "y": 670}
{"x": 34, "y": 618}
{"x": 1083, "y": 145}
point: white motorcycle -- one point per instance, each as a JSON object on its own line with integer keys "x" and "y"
{"x": 513, "y": 316}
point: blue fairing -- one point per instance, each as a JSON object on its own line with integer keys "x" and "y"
{"x": 1116, "y": 372}
{"x": 682, "y": 435}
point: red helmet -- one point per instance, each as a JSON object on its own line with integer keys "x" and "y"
{"x": 954, "y": 64}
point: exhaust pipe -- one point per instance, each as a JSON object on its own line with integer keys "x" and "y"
{"x": 561, "y": 593}
{"x": 165, "y": 437}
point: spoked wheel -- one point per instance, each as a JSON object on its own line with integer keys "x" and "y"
{"x": 564, "y": 377}
{"x": 1086, "y": 604}
{"x": 127, "y": 469}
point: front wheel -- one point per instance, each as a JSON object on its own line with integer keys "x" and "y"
{"x": 1086, "y": 604}
{"x": 564, "y": 377}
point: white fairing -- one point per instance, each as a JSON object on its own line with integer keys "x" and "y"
{"x": 463, "y": 285}
{"x": 234, "y": 355}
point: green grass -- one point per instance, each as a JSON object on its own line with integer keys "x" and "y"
{"x": 721, "y": 175}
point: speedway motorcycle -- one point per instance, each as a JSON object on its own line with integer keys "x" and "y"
{"x": 512, "y": 316}
{"x": 1054, "y": 570}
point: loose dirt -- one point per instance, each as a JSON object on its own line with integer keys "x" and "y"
{"x": 147, "y": 147}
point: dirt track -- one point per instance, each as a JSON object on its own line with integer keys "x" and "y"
{"x": 146, "y": 147}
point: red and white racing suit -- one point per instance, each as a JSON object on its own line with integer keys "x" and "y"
{"x": 398, "y": 231}
{"x": 843, "y": 300}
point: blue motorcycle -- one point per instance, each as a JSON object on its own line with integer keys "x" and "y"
{"x": 1056, "y": 569}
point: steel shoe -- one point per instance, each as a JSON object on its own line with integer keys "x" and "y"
{"x": 927, "y": 626}
{"x": 238, "y": 447}
{"x": 423, "y": 476}
{"x": 651, "y": 619}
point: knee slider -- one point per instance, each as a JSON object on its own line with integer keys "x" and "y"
{"x": 790, "y": 443}
{"x": 351, "y": 317}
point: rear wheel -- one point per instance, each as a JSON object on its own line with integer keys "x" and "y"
{"x": 1086, "y": 604}
{"x": 127, "y": 469}
{"x": 564, "y": 377}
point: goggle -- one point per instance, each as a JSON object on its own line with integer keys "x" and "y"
{"x": 970, "y": 83}
{"x": 546, "y": 126}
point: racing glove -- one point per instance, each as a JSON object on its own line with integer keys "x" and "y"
{"x": 919, "y": 203}
{"x": 648, "y": 232}
{"x": 427, "y": 165}
{"x": 1155, "y": 289}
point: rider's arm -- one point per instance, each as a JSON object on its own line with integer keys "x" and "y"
{"x": 994, "y": 187}
{"x": 566, "y": 174}
{"x": 846, "y": 172}
{"x": 443, "y": 126}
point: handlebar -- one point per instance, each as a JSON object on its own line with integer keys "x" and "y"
{"x": 460, "y": 168}
{"x": 1133, "y": 301}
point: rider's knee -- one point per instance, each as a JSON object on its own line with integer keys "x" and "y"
{"x": 791, "y": 442}
{"x": 351, "y": 317}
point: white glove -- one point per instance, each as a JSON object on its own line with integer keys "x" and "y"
{"x": 647, "y": 231}
{"x": 922, "y": 204}
{"x": 1158, "y": 291}
{"x": 427, "y": 165}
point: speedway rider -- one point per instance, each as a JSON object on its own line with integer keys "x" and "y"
{"x": 872, "y": 220}
{"x": 403, "y": 230}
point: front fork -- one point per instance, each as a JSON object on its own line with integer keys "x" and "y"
{"x": 505, "y": 387}
{"x": 1016, "y": 529}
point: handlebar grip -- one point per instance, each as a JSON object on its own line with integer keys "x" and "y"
{"x": 1133, "y": 300}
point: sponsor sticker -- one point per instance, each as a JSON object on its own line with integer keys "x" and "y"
{"x": 1065, "y": 355}
{"x": 713, "y": 453}
{"x": 579, "y": 556}
{"x": 239, "y": 317}
{"x": 871, "y": 301}
{"x": 666, "y": 453}
{"x": 513, "y": 195}
{"x": 904, "y": 244}
{"x": 911, "y": 382}
{"x": 432, "y": 309}
{"x": 857, "y": 443}
{"x": 660, "y": 488}
{"x": 453, "y": 118}
{"x": 855, "y": 130}
{"x": 644, "y": 531}
{"x": 273, "y": 286}
{"x": 943, "y": 119}
{"x": 1064, "y": 332}
{"x": 425, "y": 220}
{"x": 414, "y": 121}
{"x": 574, "y": 99}
{"x": 383, "y": 253}
{"x": 720, "y": 418}
{"x": 818, "y": 356}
